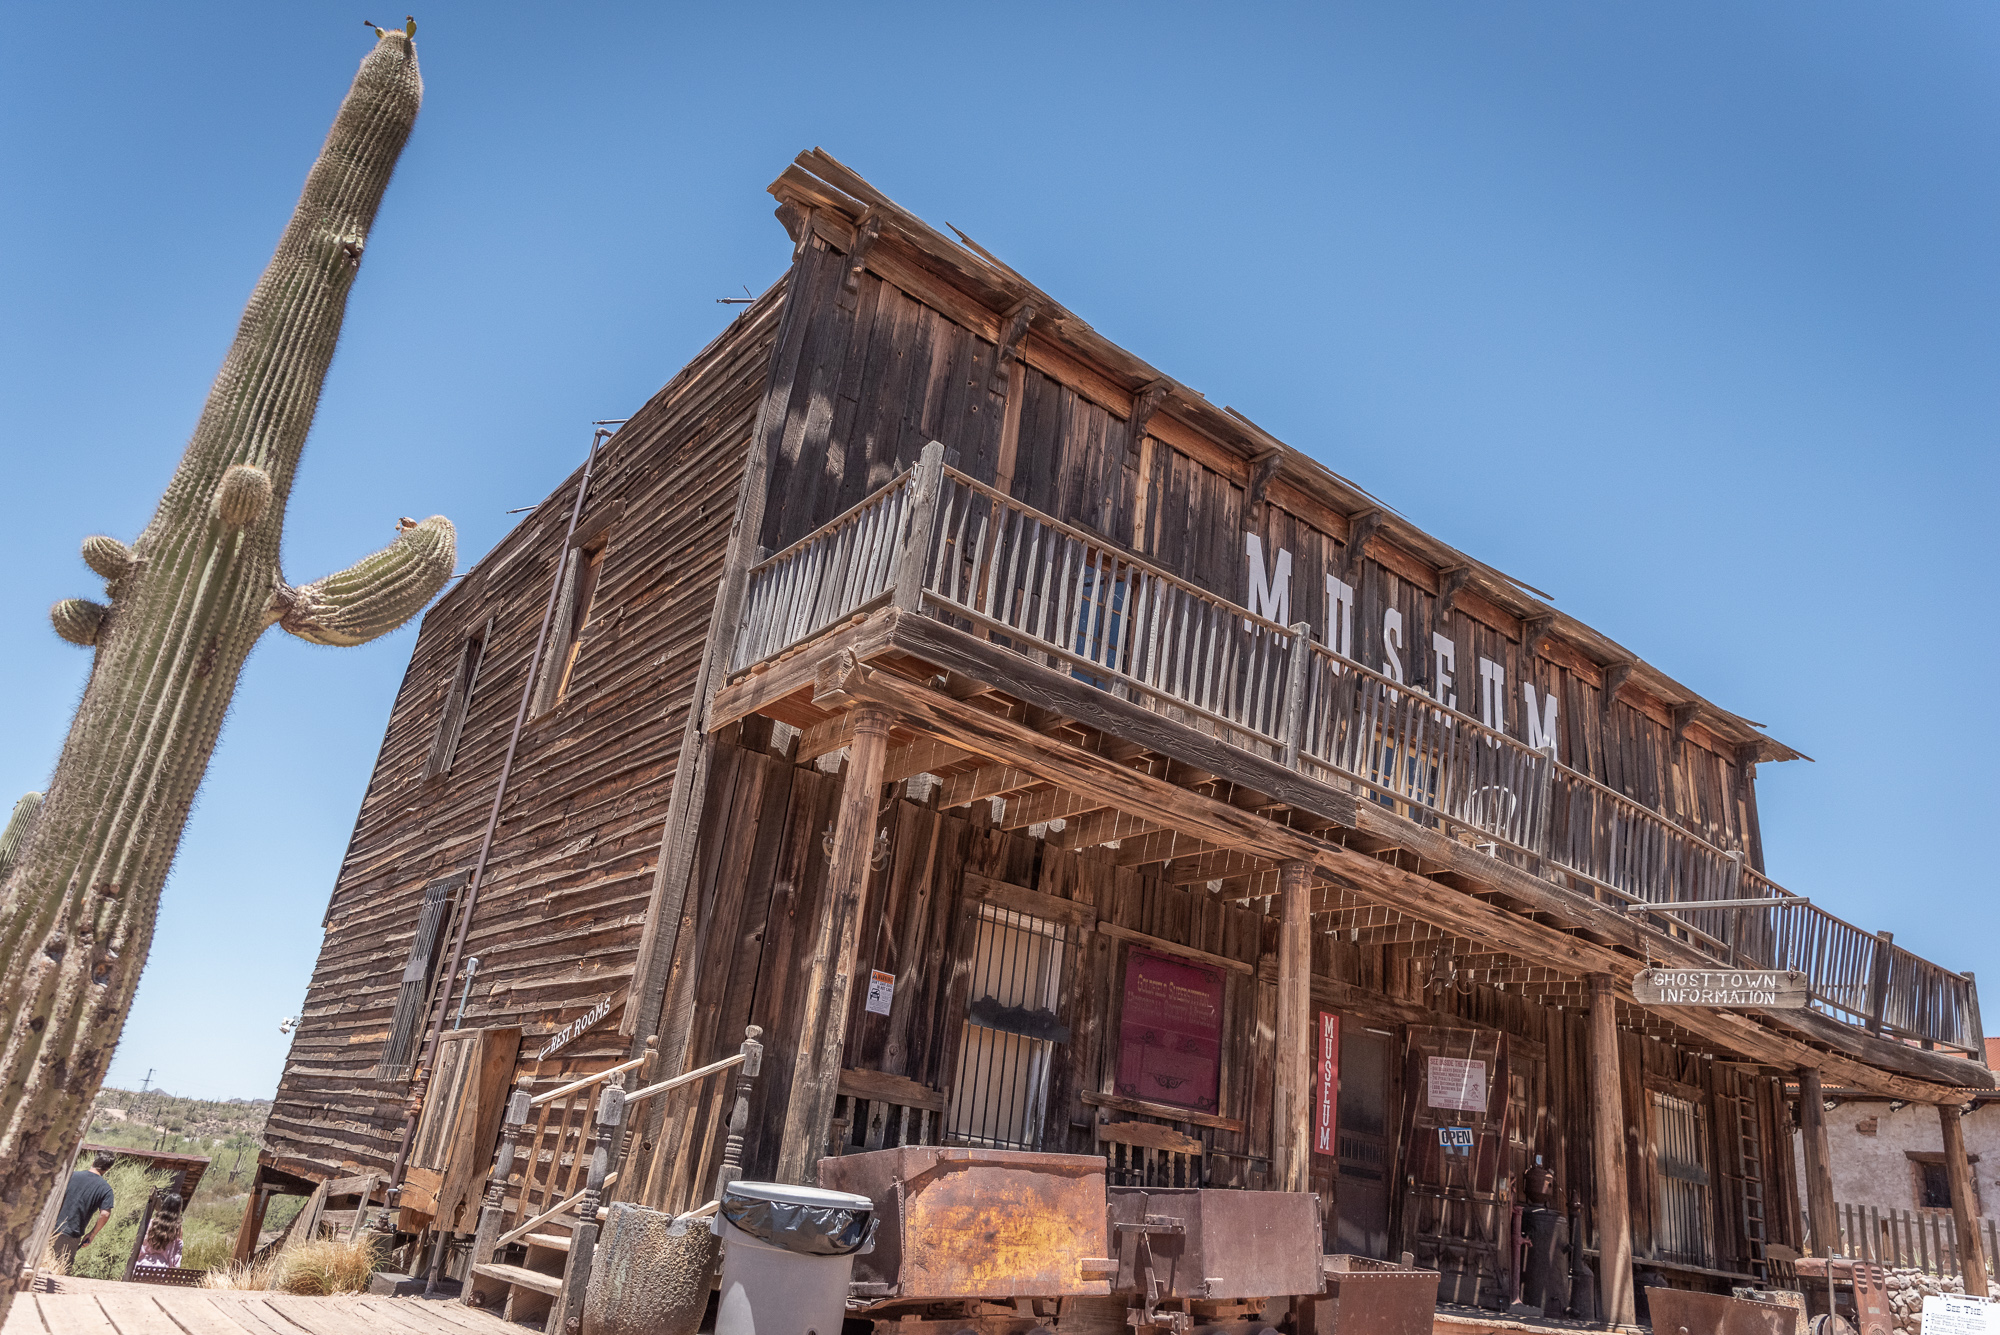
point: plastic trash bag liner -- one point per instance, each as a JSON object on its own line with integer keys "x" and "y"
{"x": 831, "y": 1228}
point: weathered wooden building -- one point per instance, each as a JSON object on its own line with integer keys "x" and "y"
{"x": 1043, "y": 757}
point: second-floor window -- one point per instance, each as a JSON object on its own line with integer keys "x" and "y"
{"x": 457, "y": 703}
{"x": 572, "y": 614}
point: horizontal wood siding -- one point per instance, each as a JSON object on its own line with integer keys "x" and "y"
{"x": 559, "y": 918}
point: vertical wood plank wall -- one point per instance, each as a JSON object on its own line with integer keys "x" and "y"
{"x": 558, "y": 921}
{"x": 882, "y": 374}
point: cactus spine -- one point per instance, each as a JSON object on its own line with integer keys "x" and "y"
{"x": 185, "y": 604}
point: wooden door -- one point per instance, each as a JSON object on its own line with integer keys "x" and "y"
{"x": 1364, "y": 1141}
{"x": 1458, "y": 1160}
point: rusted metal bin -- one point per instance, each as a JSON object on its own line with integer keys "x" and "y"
{"x": 1685, "y": 1312}
{"x": 1364, "y": 1297}
{"x": 1207, "y": 1242}
{"x": 973, "y": 1223}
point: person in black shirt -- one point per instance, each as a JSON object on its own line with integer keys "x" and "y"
{"x": 87, "y": 1195}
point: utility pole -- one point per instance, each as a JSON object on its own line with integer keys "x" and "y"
{"x": 147, "y": 1081}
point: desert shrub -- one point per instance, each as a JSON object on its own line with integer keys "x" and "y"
{"x": 206, "y": 1248}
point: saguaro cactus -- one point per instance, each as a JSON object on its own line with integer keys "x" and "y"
{"x": 186, "y": 603}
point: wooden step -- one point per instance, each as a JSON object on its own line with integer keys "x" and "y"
{"x": 553, "y": 1241}
{"x": 521, "y": 1277}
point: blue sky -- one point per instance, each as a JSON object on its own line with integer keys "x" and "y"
{"x": 1687, "y": 314}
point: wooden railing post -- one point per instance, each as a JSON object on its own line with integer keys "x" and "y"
{"x": 1964, "y": 1213}
{"x": 1878, "y": 980}
{"x": 921, "y": 502}
{"x": 822, "y": 1028}
{"x": 1291, "y": 1103}
{"x": 568, "y": 1316}
{"x": 492, "y": 1209}
{"x": 1819, "y": 1167}
{"x": 1296, "y": 683}
{"x": 731, "y": 1166}
{"x": 1607, "y": 1143}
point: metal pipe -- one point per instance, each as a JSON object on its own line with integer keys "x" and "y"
{"x": 436, "y": 1023}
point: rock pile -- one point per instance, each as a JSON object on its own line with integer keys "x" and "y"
{"x": 1906, "y": 1295}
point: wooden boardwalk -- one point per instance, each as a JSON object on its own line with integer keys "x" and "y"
{"x": 144, "y": 1309}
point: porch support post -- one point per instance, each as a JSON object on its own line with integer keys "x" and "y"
{"x": 1607, "y": 1147}
{"x": 1964, "y": 1217}
{"x": 822, "y": 1031}
{"x": 1819, "y": 1165}
{"x": 1291, "y": 1103}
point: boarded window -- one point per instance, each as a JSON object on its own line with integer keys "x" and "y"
{"x": 1170, "y": 1032}
{"x": 1010, "y": 1032}
{"x": 457, "y": 703}
{"x": 1680, "y": 1211}
{"x": 572, "y": 614}
{"x": 419, "y": 970}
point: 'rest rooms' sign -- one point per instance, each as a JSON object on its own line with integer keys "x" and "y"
{"x": 1770, "y": 989}
{"x": 1269, "y": 595}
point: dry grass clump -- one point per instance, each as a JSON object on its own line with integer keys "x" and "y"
{"x": 318, "y": 1268}
{"x": 325, "y": 1266}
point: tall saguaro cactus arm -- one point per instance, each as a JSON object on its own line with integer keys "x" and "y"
{"x": 183, "y": 607}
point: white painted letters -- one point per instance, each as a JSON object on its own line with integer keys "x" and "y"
{"x": 1541, "y": 720}
{"x": 1392, "y": 643}
{"x": 1270, "y": 596}
{"x": 1444, "y": 661}
{"x": 1492, "y": 700}
{"x": 1340, "y": 617}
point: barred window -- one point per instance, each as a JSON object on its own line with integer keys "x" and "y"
{"x": 1680, "y": 1210}
{"x": 1010, "y": 1032}
{"x": 457, "y": 703}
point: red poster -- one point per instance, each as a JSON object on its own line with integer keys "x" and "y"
{"x": 1326, "y": 1083}
{"x": 1170, "y": 1032}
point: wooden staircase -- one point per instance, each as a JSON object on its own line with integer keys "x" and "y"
{"x": 536, "y": 1271}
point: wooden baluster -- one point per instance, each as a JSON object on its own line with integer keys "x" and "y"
{"x": 568, "y": 1313}
{"x": 492, "y": 1210}
{"x": 731, "y": 1166}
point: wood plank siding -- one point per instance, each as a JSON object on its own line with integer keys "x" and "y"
{"x": 560, "y": 916}
{"x": 873, "y": 749}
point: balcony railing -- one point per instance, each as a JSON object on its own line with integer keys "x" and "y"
{"x": 1071, "y": 600}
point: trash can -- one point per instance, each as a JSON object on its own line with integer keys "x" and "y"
{"x": 787, "y": 1255}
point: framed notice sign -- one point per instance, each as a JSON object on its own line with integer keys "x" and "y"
{"x": 1456, "y": 1082}
{"x": 1326, "y": 1083}
{"x": 1170, "y": 1032}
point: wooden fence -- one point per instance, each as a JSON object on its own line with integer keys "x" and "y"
{"x": 936, "y": 539}
{"x": 1910, "y": 1239}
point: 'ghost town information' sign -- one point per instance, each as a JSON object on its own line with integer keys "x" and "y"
{"x": 1768, "y": 989}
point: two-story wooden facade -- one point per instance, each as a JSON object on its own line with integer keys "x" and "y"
{"x": 1043, "y": 757}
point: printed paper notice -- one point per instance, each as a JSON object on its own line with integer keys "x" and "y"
{"x": 881, "y": 991}
{"x": 1457, "y": 1083}
{"x": 1959, "y": 1314}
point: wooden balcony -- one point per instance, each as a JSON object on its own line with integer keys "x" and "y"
{"x": 1099, "y": 686}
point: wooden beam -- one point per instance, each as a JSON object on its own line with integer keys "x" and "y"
{"x": 1964, "y": 1212}
{"x": 823, "y": 1024}
{"x": 823, "y": 738}
{"x": 844, "y": 682}
{"x": 1049, "y": 804}
{"x": 1103, "y": 826}
{"x": 1166, "y": 947}
{"x": 1607, "y": 1145}
{"x": 1818, "y": 1184}
{"x": 756, "y": 692}
{"x": 1216, "y": 865}
{"x": 1162, "y": 845}
{"x": 1020, "y": 899}
{"x": 923, "y": 755}
{"x": 1291, "y": 1100}
{"x": 986, "y": 782}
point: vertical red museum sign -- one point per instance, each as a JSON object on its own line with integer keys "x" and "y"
{"x": 1327, "y": 1083}
{"x": 1170, "y": 1032}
